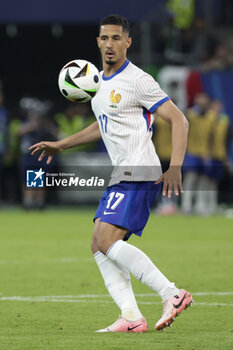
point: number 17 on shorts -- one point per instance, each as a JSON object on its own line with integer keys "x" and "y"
{"x": 114, "y": 199}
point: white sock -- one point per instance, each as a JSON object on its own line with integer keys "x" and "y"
{"x": 135, "y": 261}
{"x": 213, "y": 196}
{"x": 117, "y": 281}
{"x": 201, "y": 205}
{"x": 189, "y": 184}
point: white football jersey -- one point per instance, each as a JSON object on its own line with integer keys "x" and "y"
{"x": 124, "y": 107}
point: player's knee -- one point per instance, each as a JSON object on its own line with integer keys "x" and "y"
{"x": 105, "y": 235}
{"x": 98, "y": 241}
{"x": 102, "y": 244}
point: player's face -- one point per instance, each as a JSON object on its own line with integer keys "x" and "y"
{"x": 113, "y": 44}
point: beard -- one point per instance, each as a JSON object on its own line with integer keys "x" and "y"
{"x": 110, "y": 62}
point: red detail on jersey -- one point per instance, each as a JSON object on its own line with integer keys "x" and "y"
{"x": 148, "y": 115}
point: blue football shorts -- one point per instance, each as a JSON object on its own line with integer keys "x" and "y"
{"x": 193, "y": 163}
{"x": 128, "y": 204}
{"x": 214, "y": 169}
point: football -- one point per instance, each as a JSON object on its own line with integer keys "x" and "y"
{"x": 79, "y": 81}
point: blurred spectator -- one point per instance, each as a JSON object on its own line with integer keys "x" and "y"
{"x": 35, "y": 127}
{"x": 182, "y": 11}
{"x": 218, "y": 156}
{"x": 76, "y": 117}
{"x": 3, "y": 137}
{"x": 201, "y": 121}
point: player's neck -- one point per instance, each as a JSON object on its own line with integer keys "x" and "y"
{"x": 110, "y": 69}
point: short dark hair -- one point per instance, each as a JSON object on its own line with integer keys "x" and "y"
{"x": 116, "y": 20}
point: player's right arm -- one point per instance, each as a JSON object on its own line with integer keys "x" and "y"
{"x": 87, "y": 135}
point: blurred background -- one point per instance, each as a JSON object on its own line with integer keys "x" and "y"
{"x": 186, "y": 45}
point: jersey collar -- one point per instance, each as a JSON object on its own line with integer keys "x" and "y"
{"x": 117, "y": 72}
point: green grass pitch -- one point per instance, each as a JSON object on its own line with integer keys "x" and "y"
{"x": 52, "y": 295}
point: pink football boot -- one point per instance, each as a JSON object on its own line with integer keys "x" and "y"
{"x": 172, "y": 308}
{"x": 122, "y": 325}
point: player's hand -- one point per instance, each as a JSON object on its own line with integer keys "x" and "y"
{"x": 172, "y": 181}
{"x": 47, "y": 148}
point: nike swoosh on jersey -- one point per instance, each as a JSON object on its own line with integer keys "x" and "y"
{"x": 130, "y": 329}
{"x": 108, "y": 212}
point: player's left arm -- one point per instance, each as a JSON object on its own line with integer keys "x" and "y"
{"x": 172, "y": 179}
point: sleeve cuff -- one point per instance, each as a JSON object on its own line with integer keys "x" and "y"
{"x": 157, "y": 104}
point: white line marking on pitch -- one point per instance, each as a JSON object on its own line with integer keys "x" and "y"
{"x": 43, "y": 299}
{"x": 95, "y": 298}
